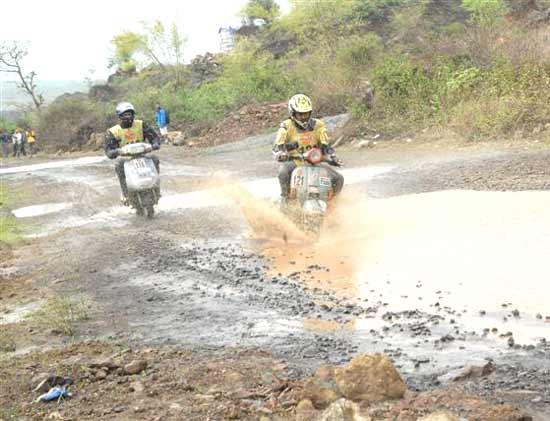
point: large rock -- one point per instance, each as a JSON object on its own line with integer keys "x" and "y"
{"x": 440, "y": 416}
{"x": 320, "y": 393}
{"x": 176, "y": 138}
{"x": 370, "y": 378}
{"x": 135, "y": 367}
{"x": 343, "y": 410}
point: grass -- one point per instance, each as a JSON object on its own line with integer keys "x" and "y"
{"x": 62, "y": 314}
{"x": 10, "y": 230}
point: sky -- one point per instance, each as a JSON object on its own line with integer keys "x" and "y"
{"x": 67, "y": 39}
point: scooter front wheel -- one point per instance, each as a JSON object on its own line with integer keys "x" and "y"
{"x": 150, "y": 211}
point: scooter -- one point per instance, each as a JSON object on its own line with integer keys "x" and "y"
{"x": 310, "y": 192}
{"x": 142, "y": 178}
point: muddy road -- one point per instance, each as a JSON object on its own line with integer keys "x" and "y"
{"x": 436, "y": 256}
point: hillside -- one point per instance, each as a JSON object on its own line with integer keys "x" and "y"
{"x": 479, "y": 69}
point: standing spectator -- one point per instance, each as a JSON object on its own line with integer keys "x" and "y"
{"x": 162, "y": 119}
{"x": 4, "y": 141}
{"x": 16, "y": 140}
{"x": 31, "y": 140}
{"x": 23, "y": 142}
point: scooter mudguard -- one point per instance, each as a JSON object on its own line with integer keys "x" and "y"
{"x": 314, "y": 207}
{"x": 141, "y": 174}
{"x": 309, "y": 182}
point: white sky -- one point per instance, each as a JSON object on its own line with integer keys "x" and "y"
{"x": 67, "y": 38}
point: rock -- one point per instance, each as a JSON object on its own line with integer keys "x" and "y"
{"x": 137, "y": 387}
{"x": 371, "y": 378}
{"x": 176, "y": 138}
{"x": 472, "y": 372}
{"x": 342, "y": 410}
{"x": 55, "y": 416}
{"x": 440, "y": 416}
{"x": 320, "y": 393}
{"x": 107, "y": 365}
{"x": 44, "y": 382}
{"x": 305, "y": 410}
{"x": 100, "y": 375}
{"x": 135, "y": 367}
{"x": 365, "y": 144}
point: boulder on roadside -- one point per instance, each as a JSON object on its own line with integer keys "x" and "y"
{"x": 176, "y": 138}
{"x": 370, "y": 378}
{"x": 135, "y": 367}
{"x": 343, "y": 410}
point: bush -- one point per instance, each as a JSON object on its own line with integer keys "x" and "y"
{"x": 68, "y": 122}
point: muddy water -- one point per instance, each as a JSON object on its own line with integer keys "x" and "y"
{"x": 470, "y": 251}
{"x": 472, "y": 256}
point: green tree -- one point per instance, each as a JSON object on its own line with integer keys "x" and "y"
{"x": 162, "y": 46}
{"x": 268, "y": 10}
{"x": 127, "y": 45}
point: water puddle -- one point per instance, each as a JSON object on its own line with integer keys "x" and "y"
{"x": 39, "y": 210}
{"x": 475, "y": 257}
{"x": 64, "y": 163}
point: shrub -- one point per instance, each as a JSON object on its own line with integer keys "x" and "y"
{"x": 68, "y": 122}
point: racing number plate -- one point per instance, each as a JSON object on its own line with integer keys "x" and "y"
{"x": 298, "y": 181}
{"x": 140, "y": 166}
{"x": 324, "y": 181}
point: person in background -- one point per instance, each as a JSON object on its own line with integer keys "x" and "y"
{"x": 31, "y": 140}
{"x": 17, "y": 139}
{"x": 162, "y": 119}
{"x": 5, "y": 142}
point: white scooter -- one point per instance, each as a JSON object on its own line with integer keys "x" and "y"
{"x": 142, "y": 178}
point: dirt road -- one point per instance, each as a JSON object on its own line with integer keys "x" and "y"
{"x": 435, "y": 256}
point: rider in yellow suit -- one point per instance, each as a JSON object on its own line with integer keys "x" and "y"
{"x": 296, "y": 135}
{"x": 129, "y": 130}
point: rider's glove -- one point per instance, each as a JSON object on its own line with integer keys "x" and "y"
{"x": 156, "y": 146}
{"x": 281, "y": 156}
{"x": 112, "y": 153}
{"x": 335, "y": 161}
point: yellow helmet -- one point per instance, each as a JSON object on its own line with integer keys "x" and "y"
{"x": 299, "y": 103}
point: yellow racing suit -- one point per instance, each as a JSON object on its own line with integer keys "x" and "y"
{"x": 294, "y": 140}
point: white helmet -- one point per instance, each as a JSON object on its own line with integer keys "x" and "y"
{"x": 300, "y": 103}
{"x": 122, "y": 107}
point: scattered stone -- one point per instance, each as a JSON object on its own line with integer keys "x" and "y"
{"x": 472, "y": 372}
{"x": 137, "y": 387}
{"x": 135, "y": 367}
{"x": 100, "y": 375}
{"x": 44, "y": 382}
{"x": 305, "y": 410}
{"x": 440, "y": 416}
{"x": 343, "y": 410}
{"x": 370, "y": 378}
{"x": 320, "y": 393}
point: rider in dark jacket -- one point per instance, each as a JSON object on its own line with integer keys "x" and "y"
{"x": 129, "y": 130}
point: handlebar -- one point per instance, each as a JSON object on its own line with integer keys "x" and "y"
{"x": 134, "y": 149}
